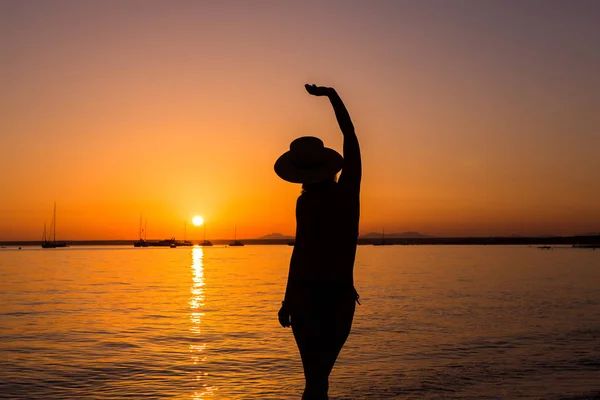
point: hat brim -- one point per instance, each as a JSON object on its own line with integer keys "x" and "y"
{"x": 332, "y": 163}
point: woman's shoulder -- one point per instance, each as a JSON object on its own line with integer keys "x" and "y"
{"x": 307, "y": 198}
{"x": 305, "y": 201}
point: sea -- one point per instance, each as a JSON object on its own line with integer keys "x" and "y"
{"x": 436, "y": 322}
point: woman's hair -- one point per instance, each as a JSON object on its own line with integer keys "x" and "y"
{"x": 309, "y": 187}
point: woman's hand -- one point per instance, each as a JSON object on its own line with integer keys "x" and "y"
{"x": 284, "y": 316}
{"x": 319, "y": 90}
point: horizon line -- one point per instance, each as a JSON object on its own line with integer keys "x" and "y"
{"x": 502, "y": 238}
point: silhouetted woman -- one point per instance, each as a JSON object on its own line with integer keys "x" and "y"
{"x": 320, "y": 296}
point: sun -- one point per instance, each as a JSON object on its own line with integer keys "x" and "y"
{"x": 198, "y": 220}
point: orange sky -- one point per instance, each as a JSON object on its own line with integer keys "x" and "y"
{"x": 475, "y": 118}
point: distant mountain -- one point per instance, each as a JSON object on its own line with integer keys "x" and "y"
{"x": 590, "y": 234}
{"x": 402, "y": 235}
{"x": 275, "y": 236}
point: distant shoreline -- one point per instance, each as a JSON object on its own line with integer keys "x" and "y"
{"x": 557, "y": 240}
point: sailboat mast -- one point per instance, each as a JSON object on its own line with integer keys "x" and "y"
{"x": 140, "y": 232}
{"x": 145, "y": 228}
{"x": 54, "y": 219}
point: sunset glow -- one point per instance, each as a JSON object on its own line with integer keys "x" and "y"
{"x": 475, "y": 119}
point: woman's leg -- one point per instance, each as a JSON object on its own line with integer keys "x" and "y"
{"x": 339, "y": 325}
{"x": 308, "y": 334}
{"x": 320, "y": 335}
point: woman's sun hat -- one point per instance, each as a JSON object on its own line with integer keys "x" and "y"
{"x": 308, "y": 161}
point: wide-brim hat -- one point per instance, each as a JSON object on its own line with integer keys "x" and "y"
{"x": 308, "y": 161}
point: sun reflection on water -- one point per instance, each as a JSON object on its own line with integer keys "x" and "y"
{"x": 196, "y": 304}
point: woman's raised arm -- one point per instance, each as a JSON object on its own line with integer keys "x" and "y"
{"x": 352, "y": 171}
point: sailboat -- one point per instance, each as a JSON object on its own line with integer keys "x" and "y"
{"x": 142, "y": 242}
{"x": 184, "y": 242}
{"x": 164, "y": 243}
{"x": 205, "y": 243}
{"x": 236, "y": 243}
{"x": 46, "y": 242}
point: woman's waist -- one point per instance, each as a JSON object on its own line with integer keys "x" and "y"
{"x": 324, "y": 288}
{"x": 321, "y": 292}
{"x": 325, "y": 283}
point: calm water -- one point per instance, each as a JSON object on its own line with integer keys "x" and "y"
{"x": 437, "y": 322}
